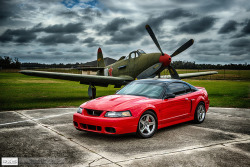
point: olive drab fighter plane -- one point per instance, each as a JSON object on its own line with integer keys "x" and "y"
{"x": 137, "y": 65}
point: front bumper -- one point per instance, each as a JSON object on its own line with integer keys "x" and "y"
{"x": 104, "y": 124}
{"x": 207, "y": 105}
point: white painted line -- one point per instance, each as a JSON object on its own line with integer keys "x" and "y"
{"x": 52, "y": 116}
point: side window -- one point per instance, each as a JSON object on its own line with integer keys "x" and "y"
{"x": 187, "y": 88}
{"x": 133, "y": 55}
{"x": 176, "y": 88}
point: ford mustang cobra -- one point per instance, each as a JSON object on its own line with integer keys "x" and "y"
{"x": 143, "y": 106}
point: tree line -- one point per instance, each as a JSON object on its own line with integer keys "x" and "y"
{"x": 9, "y": 63}
{"x": 193, "y": 65}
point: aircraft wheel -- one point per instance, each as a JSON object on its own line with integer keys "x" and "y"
{"x": 92, "y": 91}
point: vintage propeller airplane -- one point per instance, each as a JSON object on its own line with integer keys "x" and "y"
{"x": 137, "y": 64}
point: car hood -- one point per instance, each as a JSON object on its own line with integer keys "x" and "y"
{"x": 114, "y": 102}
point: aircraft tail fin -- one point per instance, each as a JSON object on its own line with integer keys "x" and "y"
{"x": 100, "y": 60}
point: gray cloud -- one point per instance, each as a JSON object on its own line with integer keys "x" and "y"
{"x": 68, "y": 13}
{"x": 26, "y": 38}
{"x": 197, "y": 26}
{"x": 60, "y": 28}
{"x": 114, "y": 25}
{"x": 134, "y": 33}
{"x": 76, "y": 50}
{"x": 88, "y": 40}
{"x": 178, "y": 13}
{"x": 112, "y": 22}
{"x": 91, "y": 12}
{"x": 6, "y": 9}
{"x": 58, "y": 38}
{"x": 51, "y": 49}
{"x": 228, "y": 27}
{"x": 205, "y": 40}
{"x": 246, "y": 29}
{"x": 12, "y": 13}
{"x": 241, "y": 43}
{"x": 83, "y": 14}
{"x": 28, "y": 35}
{"x": 19, "y": 36}
{"x": 91, "y": 42}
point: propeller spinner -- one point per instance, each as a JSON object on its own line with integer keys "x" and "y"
{"x": 165, "y": 59}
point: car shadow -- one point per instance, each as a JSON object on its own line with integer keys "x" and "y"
{"x": 173, "y": 127}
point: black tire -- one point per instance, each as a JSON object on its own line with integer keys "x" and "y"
{"x": 147, "y": 125}
{"x": 200, "y": 113}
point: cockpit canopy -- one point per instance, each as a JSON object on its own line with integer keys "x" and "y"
{"x": 140, "y": 51}
{"x": 135, "y": 54}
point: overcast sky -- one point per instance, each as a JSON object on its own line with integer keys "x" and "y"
{"x": 69, "y": 31}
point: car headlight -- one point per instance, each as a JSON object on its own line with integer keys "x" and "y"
{"x": 79, "y": 110}
{"x": 118, "y": 114}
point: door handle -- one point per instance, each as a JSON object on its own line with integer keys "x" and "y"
{"x": 186, "y": 98}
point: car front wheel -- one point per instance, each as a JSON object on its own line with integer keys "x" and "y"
{"x": 147, "y": 125}
{"x": 200, "y": 113}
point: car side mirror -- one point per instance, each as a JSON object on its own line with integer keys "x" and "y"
{"x": 170, "y": 95}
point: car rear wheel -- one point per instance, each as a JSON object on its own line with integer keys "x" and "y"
{"x": 147, "y": 125}
{"x": 200, "y": 113}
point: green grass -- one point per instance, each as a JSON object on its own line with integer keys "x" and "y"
{"x": 224, "y": 93}
{"x": 222, "y": 74}
{"x": 18, "y": 91}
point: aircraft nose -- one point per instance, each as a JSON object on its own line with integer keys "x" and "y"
{"x": 165, "y": 59}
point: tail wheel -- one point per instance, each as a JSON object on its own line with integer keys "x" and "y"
{"x": 200, "y": 113}
{"x": 147, "y": 125}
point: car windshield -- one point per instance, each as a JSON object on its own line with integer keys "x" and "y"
{"x": 151, "y": 90}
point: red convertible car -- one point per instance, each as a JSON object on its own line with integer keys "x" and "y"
{"x": 143, "y": 106}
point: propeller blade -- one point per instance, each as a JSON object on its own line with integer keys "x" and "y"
{"x": 151, "y": 72}
{"x": 152, "y": 35}
{"x": 173, "y": 72}
{"x": 183, "y": 47}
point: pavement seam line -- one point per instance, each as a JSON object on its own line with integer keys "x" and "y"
{"x": 184, "y": 150}
{"x": 55, "y": 131}
{"x": 95, "y": 161}
{"x": 236, "y": 149}
{"x": 240, "y": 135}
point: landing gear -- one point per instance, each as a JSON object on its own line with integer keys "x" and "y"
{"x": 92, "y": 91}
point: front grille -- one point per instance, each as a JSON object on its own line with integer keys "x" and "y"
{"x": 110, "y": 130}
{"x": 94, "y": 112}
{"x": 91, "y": 127}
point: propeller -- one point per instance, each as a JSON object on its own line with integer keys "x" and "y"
{"x": 173, "y": 72}
{"x": 166, "y": 61}
{"x": 151, "y": 33}
{"x": 183, "y": 47}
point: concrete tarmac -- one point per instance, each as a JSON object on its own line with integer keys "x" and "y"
{"x": 47, "y": 137}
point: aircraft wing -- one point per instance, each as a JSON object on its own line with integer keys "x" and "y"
{"x": 84, "y": 79}
{"x": 190, "y": 75}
